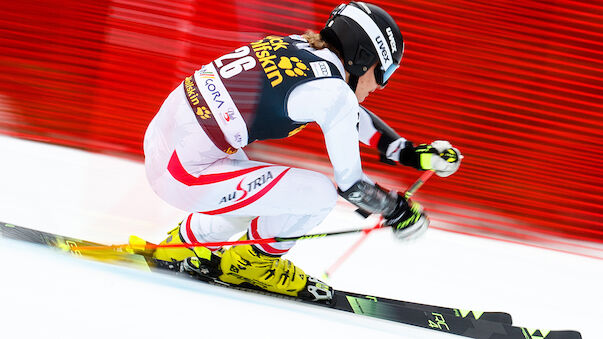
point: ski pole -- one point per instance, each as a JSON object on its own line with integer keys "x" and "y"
{"x": 272, "y": 240}
{"x": 409, "y": 192}
{"x": 222, "y": 243}
{"x": 349, "y": 251}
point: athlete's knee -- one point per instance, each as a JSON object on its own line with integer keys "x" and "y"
{"x": 320, "y": 190}
{"x": 329, "y": 191}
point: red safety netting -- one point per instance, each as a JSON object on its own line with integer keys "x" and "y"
{"x": 516, "y": 85}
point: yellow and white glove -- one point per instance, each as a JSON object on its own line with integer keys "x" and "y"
{"x": 440, "y": 156}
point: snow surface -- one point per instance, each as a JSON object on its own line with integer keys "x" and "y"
{"x": 44, "y": 294}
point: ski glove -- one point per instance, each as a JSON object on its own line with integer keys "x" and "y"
{"x": 408, "y": 221}
{"x": 440, "y": 156}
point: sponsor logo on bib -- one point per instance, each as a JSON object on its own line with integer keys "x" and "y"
{"x": 320, "y": 69}
{"x": 274, "y": 66}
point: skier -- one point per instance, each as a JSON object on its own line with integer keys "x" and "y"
{"x": 270, "y": 89}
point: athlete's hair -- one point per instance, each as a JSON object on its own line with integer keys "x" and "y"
{"x": 317, "y": 42}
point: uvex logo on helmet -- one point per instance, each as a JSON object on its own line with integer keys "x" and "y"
{"x": 392, "y": 41}
{"x": 382, "y": 49}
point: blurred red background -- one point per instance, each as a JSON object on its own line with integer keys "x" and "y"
{"x": 516, "y": 85}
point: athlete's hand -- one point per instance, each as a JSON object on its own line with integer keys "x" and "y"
{"x": 440, "y": 156}
{"x": 408, "y": 221}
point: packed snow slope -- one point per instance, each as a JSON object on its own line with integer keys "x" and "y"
{"x": 104, "y": 199}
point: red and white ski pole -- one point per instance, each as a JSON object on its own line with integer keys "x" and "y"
{"x": 409, "y": 192}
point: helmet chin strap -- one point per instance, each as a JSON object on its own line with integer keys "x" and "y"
{"x": 353, "y": 82}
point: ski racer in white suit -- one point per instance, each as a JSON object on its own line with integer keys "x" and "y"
{"x": 271, "y": 89}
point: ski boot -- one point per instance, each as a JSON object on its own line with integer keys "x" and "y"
{"x": 245, "y": 266}
{"x": 193, "y": 260}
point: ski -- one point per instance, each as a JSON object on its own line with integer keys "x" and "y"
{"x": 466, "y": 323}
{"x": 500, "y": 317}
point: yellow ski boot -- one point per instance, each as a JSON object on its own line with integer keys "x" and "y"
{"x": 178, "y": 253}
{"x": 194, "y": 260}
{"x": 244, "y": 265}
